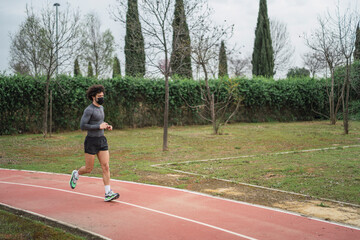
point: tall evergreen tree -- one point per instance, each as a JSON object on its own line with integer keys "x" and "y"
{"x": 116, "y": 68}
{"x": 223, "y": 68}
{"x": 134, "y": 42}
{"x": 180, "y": 60}
{"x": 90, "y": 70}
{"x": 263, "y": 54}
{"x": 77, "y": 71}
{"x": 357, "y": 45}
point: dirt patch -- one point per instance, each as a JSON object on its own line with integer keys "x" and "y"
{"x": 221, "y": 191}
{"x": 170, "y": 180}
{"x": 272, "y": 175}
{"x": 4, "y": 160}
{"x": 307, "y": 206}
{"x": 324, "y": 210}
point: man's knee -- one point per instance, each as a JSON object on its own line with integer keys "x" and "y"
{"x": 105, "y": 167}
{"x": 88, "y": 169}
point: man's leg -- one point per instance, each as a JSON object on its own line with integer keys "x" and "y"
{"x": 103, "y": 157}
{"x": 89, "y": 164}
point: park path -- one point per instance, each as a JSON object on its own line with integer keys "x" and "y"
{"x": 154, "y": 212}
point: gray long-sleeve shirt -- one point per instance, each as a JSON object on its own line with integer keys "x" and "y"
{"x": 91, "y": 119}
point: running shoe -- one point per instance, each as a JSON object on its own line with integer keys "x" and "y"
{"x": 111, "y": 196}
{"x": 74, "y": 179}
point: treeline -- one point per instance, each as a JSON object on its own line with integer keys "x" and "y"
{"x": 138, "y": 102}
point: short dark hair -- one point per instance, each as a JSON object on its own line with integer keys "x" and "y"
{"x": 93, "y": 90}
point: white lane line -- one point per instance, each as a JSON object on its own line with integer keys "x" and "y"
{"x": 166, "y": 166}
{"x": 258, "y": 155}
{"x": 137, "y": 206}
{"x": 208, "y": 196}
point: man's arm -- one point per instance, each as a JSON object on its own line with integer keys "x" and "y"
{"x": 84, "y": 123}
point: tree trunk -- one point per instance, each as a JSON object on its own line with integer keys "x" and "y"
{"x": 166, "y": 114}
{"x": 332, "y": 100}
{"x": 206, "y": 82}
{"x": 346, "y": 114}
{"x": 213, "y": 117}
{"x": 50, "y": 120}
{"x": 346, "y": 107}
{"x": 46, "y": 105}
{"x": 166, "y": 110}
{"x": 211, "y": 100}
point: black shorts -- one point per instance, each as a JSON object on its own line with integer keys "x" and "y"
{"x": 93, "y": 145}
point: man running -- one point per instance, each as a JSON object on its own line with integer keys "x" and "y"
{"x": 95, "y": 141}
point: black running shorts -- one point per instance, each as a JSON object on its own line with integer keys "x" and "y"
{"x": 93, "y": 145}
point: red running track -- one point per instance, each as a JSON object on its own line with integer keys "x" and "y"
{"x": 154, "y": 212}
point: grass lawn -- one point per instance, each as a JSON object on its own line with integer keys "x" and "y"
{"x": 20, "y": 228}
{"x": 331, "y": 174}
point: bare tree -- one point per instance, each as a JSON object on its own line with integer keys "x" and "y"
{"x": 25, "y": 49}
{"x": 157, "y": 26}
{"x": 346, "y": 23}
{"x": 240, "y": 65}
{"x": 156, "y": 21}
{"x": 205, "y": 48}
{"x": 43, "y": 45}
{"x": 20, "y": 68}
{"x": 281, "y": 43}
{"x": 98, "y": 47}
{"x": 324, "y": 42}
{"x": 313, "y": 62}
{"x": 206, "y": 39}
{"x": 156, "y": 18}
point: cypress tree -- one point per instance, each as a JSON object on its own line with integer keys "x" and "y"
{"x": 180, "y": 60}
{"x": 223, "y": 68}
{"x": 357, "y": 45}
{"x": 134, "y": 42}
{"x": 90, "y": 70}
{"x": 116, "y": 68}
{"x": 263, "y": 54}
{"x": 77, "y": 71}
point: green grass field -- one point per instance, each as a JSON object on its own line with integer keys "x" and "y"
{"x": 330, "y": 174}
{"x": 20, "y": 228}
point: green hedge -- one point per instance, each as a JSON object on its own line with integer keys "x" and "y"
{"x": 135, "y": 102}
{"x": 340, "y": 74}
{"x": 283, "y": 100}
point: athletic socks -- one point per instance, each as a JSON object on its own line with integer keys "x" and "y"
{"x": 109, "y": 195}
{"x": 77, "y": 174}
{"x": 107, "y": 189}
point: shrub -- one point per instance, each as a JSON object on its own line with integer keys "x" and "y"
{"x": 139, "y": 102}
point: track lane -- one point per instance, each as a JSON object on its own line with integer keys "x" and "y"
{"x": 152, "y": 212}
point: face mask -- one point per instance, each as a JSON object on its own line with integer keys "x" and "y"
{"x": 100, "y": 100}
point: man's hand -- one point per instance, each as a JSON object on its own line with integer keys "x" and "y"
{"x": 104, "y": 125}
{"x": 109, "y": 127}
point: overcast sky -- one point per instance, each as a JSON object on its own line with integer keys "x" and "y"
{"x": 299, "y": 15}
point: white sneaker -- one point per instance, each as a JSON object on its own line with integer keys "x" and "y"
{"x": 111, "y": 196}
{"x": 74, "y": 178}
